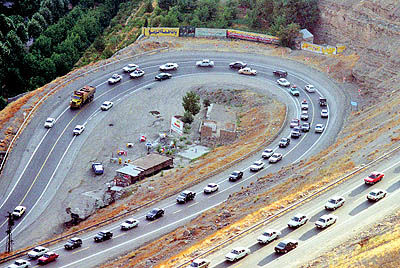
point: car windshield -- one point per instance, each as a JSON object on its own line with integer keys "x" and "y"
{"x": 322, "y": 220}
{"x": 282, "y": 245}
{"x": 49, "y": 120}
{"x": 283, "y": 140}
{"x": 266, "y": 234}
{"x": 102, "y": 233}
{"x": 194, "y": 264}
{"x": 37, "y": 250}
{"x": 373, "y": 193}
{"x": 46, "y": 255}
{"x": 235, "y": 173}
{"x": 234, "y": 251}
{"x": 373, "y": 176}
{"x": 154, "y": 211}
{"x": 19, "y": 263}
{"x": 115, "y": 76}
{"x": 211, "y": 185}
{"x": 296, "y": 219}
{"x": 129, "y": 221}
{"x": 182, "y": 194}
{"x": 268, "y": 151}
{"x": 333, "y": 201}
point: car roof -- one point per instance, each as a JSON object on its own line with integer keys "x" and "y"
{"x": 377, "y": 190}
{"x": 20, "y": 207}
{"x": 40, "y": 247}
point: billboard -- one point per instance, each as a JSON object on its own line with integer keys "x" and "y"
{"x": 176, "y": 125}
{"x": 327, "y": 50}
{"x": 209, "y": 32}
{"x": 262, "y": 38}
{"x": 160, "y": 31}
{"x": 186, "y": 31}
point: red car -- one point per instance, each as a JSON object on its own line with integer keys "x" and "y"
{"x": 374, "y": 177}
{"x": 48, "y": 257}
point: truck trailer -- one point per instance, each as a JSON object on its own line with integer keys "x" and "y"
{"x": 82, "y": 96}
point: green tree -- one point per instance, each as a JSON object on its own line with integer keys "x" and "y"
{"x": 6, "y": 24}
{"x": 39, "y": 18}
{"x": 191, "y": 103}
{"x": 3, "y": 103}
{"x": 46, "y": 13}
{"x": 22, "y": 32}
{"x": 171, "y": 20}
{"x": 288, "y": 34}
{"x": 187, "y": 118}
{"x": 148, "y": 8}
{"x": 34, "y": 28}
{"x": 43, "y": 44}
{"x": 166, "y": 4}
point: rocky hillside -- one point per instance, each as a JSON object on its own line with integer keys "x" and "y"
{"x": 372, "y": 29}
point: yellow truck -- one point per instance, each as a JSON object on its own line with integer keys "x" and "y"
{"x": 82, "y": 96}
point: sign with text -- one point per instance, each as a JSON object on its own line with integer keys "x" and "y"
{"x": 176, "y": 125}
{"x": 327, "y": 50}
{"x": 262, "y": 38}
{"x": 160, "y": 31}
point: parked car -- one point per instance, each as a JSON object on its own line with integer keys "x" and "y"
{"x": 129, "y": 224}
{"x": 286, "y": 246}
{"x": 376, "y": 194}
{"x": 280, "y": 73}
{"x": 78, "y": 129}
{"x": 334, "y": 202}
{"x": 267, "y": 153}
{"x": 48, "y": 257}
{"x": 236, "y": 175}
{"x": 304, "y": 105}
{"x": 162, "y": 76}
{"x": 199, "y": 263}
{"x": 155, "y": 213}
{"x": 294, "y": 123}
{"x": 374, "y": 177}
{"x": 137, "y": 73}
{"x": 324, "y": 113}
{"x": 115, "y": 78}
{"x": 18, "y": 212}
{"x": 284, "y": 142}
{"x": 305, "y": 127}
{"x": 103, "y": 236}
{"x": 72, "y": 243}
{"x": 295, "y": 133}
{"x": 309, "y": 88}
{"x": 268, "y": 236}
{"x": 97, "y": 168}
{"x": 237, "y": 65}
{"x": 37, "y": 252}
{"x": 210, "y": 188}
{"x": 237, "y": 253}
{"x": 49, "y": 122}
{"x": 106, "y": 105}
{"x": 319, "y": 128}
{"x": 325, "y": 221}
{"x": 185, "y": 196}
{"x": 294, "y": 91}
{"x": 130, "y": 68}
{"x": 304, "y": 115}
{"x": 19, "y": 264}
{"x": 298, "y": 220}
{"x": 205, "y": 63}
{"x": 248, "y": 71}
{"x": 283, "y": 82}
{"x": 257, "y": 166}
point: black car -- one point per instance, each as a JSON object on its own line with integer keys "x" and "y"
{"x": 103, "y": 236}
{"x": 236, "y": 175}
{"x": 284, "y": 142}
{"x": 163, "y": 76}
{"x": 185, "y": 196}
{"x": 155, "y": 213}
{"x": 305, "y": 127}
{"x": 286, "y": 245}
{"x": 237, "y": 65}
{"x": 322, "y": 102}
{"x": 73, "y": 243}
{"x": 280, "y": 73}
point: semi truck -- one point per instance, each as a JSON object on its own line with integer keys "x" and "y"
{"x": 82, "y": 96}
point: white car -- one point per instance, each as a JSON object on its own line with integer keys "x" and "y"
{"x": 237, "y": 253}
{"x": 199, "y": 263}
{"x": 297, "y": 221}
{"x": 137, "y": 73}
{"x": 326, "y": 220}
{"x": 324, "y": 113}
{"x": 210, "y": 188}
{"x": 129, "y": 224}
{"x": 248, "y": 71}
{"x": 18, "y": 211}
{"x": 205, "y": 63}
{"x": 115, "y": 78}
{"x": 376, "y": 194}
{"x": 268, "y": 236}
{"x": 276, "y": 157}
{"x": 334, "y": 202}
{"x": 106, "y": 105}
{"x": 283, "y": 82}
{"x": 267, "y": 153}
{"x": 49, "y": 122}
{"x": 78, "y": 129}
{"x": 258, "y": 165}
{"x": 309, "y": 88}
{"x": 20, "y": 264}
{"x": 169, "y": 66}
{"x": 130, "y": 68}
{"x": 319, "y": 128}
{"x": 304, "y": 105}
{"x": 37, "y": 252}
{"x": 304, "y": 115}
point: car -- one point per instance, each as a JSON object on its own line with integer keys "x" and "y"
{"x": 305, "y": 127}
{"x": 283, "y": 82}
{"x": 280, "y": 73}
{"x": 258, "y": 165}
{"x": 199, "y": 263}
{"x": 129, "y": 224}
{"x": 97, "y": 168}
{"x": 276, "y": 157}
{"x": 163, "y": 76}
{"x": 248, "y": 71}
{"x": 294, "y": 91}
{"x": 48, "y": 257}
{"x": 103, "y": 236}
{"x": 19, "y": 264}
{"x": 237, "y": 253}
{"x": 298, "y": 220}
{"x": 170, "y": 66}
{"x": 115, "y": 78}
{"x": 78, "y": 129}
{"x": 286, "y": 246}
{"x": 295, "y": 133}
{"x": 304, "y": 115}
{"x": 155, "y": 213}
{"x": 49, "y": 123}
{"x": 374, "y": 177}
{"x": 319, "y": 128}
{"x": 236, "y": 175}
{"x": 37, "y": 252}
{"x": 284, "y": 142}
{"x": 211, "y": 187}
{"x": 137, "y": 73}
{"x": 130, "y": 68}
{"x": 185, "y": 196}
{"x": 376, "y": 194}
{"x": 325, "y": 221}
{"x": 267, "y": 153}
{"x": 205, "y": 63}
{"x": 72, "y": 243}
{"x": 304, "y": 105}
{"x": 322, "y": 102}
{"x": 268, "y": 236}
{"x": 18, "y": 212}
{"x": 106, "y": 105}
{"x": 309, "y": 88}
{"x": 237, "y": 65}
{"x": 294, "y": 123}
{"x": 324, "y": 113}
{"x": 334, "y": 202}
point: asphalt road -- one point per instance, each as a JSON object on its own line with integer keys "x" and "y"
{"x": 37, "y": 181}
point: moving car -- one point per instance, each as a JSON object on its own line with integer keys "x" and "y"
{"x": 298, "y": 220}
{"x": 48, "y": 257}
{"x": 106, "y": 105}
{"x": 247, "y": 71}
{"x": 374, "y": 177}
{"x": 304, "y": 105}
{"x": 205, "y": 63}
{"x": 37, "y": 252}
{"x": 284, "y": 142}
{"x": 305, "y": 127}
{"x": 115, "y": 78}
{"x": 286, "y": 246}
{"x": 237, "y": 253}
{"x": 319, "y": 128}
{"x": 294, "y": 123}
{"x": 304, "y": 115}
{"x": 276, "y": 157}
{"x": 258, "y": 165}
{"x": 130, "y": 68}
{"x": 210, "y": 188}
{"x": 199, "y": 263}
{"x": 324, "y": 113}
{"x": 185, "y": 196}
{"x": 19, "y": 264}
{"x": 376, "y": 194}
{"x": 267, "y": 153}
{"x": 72, "y": 243}
{"x": 294, "y": 91}
{"x": 309, "y": 88}
{"x": 129, "y": 224}
{"x": 325, "y": 221}
{"x": 280, "y": 73}
{"x": 334, "y": 202}
{"x": 236, "y": 175}
{"x": 155, "y": 213}
{"x": 169, "y": 66}
{"x": 237, "y": 65}
{"x": 97, "y": 168}
{"x": 137, "y": 73}
{"x": 162, "y": 76}
{"x": 78, "y": 129}
{"x": 103, "y": 236}
{"x": 295, "y": 133}
{"x": 18, "y": 212}
{"x": 322, "y": 102}
{"x": 283, "y": 82}
{"x": 49, "y": 122}
{"x": 268, "y": 236}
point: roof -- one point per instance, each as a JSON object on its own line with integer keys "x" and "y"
{"x": 306, "y": 33}
{"x": 130, "y": 170}
{"x": 150, "y": 161}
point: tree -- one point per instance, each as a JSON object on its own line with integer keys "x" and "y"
{"x": 46, "y": 13}
{"x": 187, "y": 118}
{"x": 191, "y": 103}
{"x": 6, "y": 24}
{"x": 166, "y": 4}
{"x": 34, "y": 28}
{"x": 288, "y": 34}
{"x": 43, "y": 44}
{"x": 22, "y": 32}
{"x": 43, "y": 23}
{"x": 148, "y": 8}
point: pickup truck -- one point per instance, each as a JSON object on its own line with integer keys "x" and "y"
{"x": 185, "y": 196}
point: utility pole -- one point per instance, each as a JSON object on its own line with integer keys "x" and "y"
{"x": 9, "y": 233}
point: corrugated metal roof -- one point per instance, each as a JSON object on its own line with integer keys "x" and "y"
{"x": 130, "y": 170}
{"x": 306, "y": 33}
{"x": 150, "y": 161}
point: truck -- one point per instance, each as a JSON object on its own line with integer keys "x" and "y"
{"x": 82, "y": 96}
{"x": 185, "y": 196}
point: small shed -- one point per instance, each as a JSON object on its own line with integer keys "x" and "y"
{"x": 307, "y": 36}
